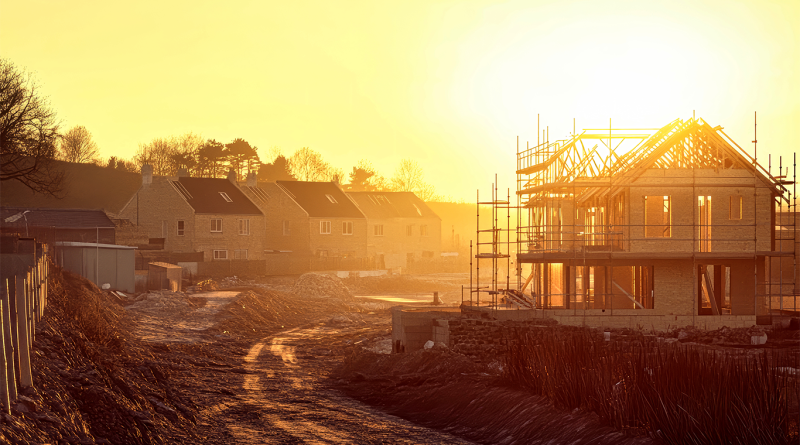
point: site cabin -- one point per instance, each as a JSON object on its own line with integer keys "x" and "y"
{"x": 401, "y": 228}
{"x": 683, "y": 228}
{"x": 208, "y": 215}
{"x": 310, "y": 226}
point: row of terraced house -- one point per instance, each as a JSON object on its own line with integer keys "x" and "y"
{"x": 219, "y": 226}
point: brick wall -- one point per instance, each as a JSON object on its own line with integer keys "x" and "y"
{"x": 752, "y": 232}
{"x": 395, "y": 244}
{"x": 278, "y": 208}
{"x": 158, "y": 202}
{"x": 159, "y": 207}
{"x": 336, "y": 244}
{"x": 229, "y": 239}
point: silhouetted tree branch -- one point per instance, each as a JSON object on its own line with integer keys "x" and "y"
{"x": 28, "y": 133}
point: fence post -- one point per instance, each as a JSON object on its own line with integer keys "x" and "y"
{"x": 23, "y": 350}
{"x": 8, "y": 339}
{"x": 5, "y": 401}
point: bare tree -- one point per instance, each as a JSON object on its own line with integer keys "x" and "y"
{"x": 28, "y": 133}
{"x": 77, "y": 146}
{"x": 409, "y": 178}
{"x": 158, "y": 153}
{"x": 335, "y": 175}
{"x": 308, "y": 165}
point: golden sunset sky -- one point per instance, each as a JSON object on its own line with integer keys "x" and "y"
{"x": 448, "y": 83}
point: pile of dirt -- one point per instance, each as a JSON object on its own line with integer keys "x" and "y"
{"x": 258, "y": 312}
{"x": 92, "y": 383}
{"x": 322, "y": 286}
{"x": 163, "y": 300}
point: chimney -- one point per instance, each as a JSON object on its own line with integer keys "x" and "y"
{"x": 232, "y": 175}
{"x": 252, "y": 180}
{"x": 147, "y": 174}
{"x": 183, "y": 173}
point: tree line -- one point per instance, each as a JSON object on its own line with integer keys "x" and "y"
{"x": 31, "y": 137}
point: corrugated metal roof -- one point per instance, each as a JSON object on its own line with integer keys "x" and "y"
{"x": 321, "y": 199}
{"x": 379, "y": 205}
{"x": 59, "y": 218}
{"x": 94, "y": 245}
{"x": 208, "y": 195}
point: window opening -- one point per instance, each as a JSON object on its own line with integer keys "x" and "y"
{"x": 325, "y": 227}
{"x": 225, "y": 197}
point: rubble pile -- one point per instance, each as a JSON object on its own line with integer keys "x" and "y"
{"x": 207, "y": 285}
{"x": 235, "y": 281}
{"x": 159, "y": 301}
{"x": 262, "y": 311}
{"x": 724, "y": 335}
{"x": 321, "y": 286}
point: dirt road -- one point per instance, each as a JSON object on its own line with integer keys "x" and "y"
{"x": 284, "y": 398}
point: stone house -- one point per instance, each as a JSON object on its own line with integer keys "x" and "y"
{"x": 679, "y": 230}
{"x": 208, "y": 215}
{"x": 310, "y": 225}
{"x": 401, "y": 228}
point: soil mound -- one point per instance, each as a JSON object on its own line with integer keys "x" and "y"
{"x": 318, "y": 285}
{"x": 260, "y": 311}
{"x": 92, "y": 383}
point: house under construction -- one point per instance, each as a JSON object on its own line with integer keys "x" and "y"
{"x": 652, "y": 228}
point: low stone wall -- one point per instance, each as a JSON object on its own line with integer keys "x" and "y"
{"x": 487, "y": 340}
{"x": 646, "y": 320}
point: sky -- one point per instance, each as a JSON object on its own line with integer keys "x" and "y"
{"x": 451, "y": 84}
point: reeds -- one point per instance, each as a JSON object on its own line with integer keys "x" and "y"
{"x": 670, "y": 391}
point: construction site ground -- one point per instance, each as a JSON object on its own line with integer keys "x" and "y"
{"x": 284, "y": 360}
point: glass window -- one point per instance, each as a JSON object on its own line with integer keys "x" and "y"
{"x": 325, "y": 227}
{"x": 378, "y": 230}
{"x": 240, "y": 254}
{"x": 216, "y": 225}
{"x": 423, "y": 230}
{"x": 244, "y": 227}
{"x": 287, "y": 229}
{"x": 410, "y": 230}
{"x": 181, "y": 228}
{"x": 220, "y": 254}
{"x": 347, "y": 227}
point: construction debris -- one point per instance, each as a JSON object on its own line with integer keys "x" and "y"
{"x": 322, "y": 286}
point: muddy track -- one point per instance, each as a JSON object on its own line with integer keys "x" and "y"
{"x": 285, "y": 398}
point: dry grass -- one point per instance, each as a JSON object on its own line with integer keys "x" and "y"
{"x": 677, "y": 393}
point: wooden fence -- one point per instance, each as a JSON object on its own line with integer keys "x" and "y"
{"x": 23, "y": 298}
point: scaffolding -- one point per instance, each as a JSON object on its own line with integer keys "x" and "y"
{"x": 579, "y": 215}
